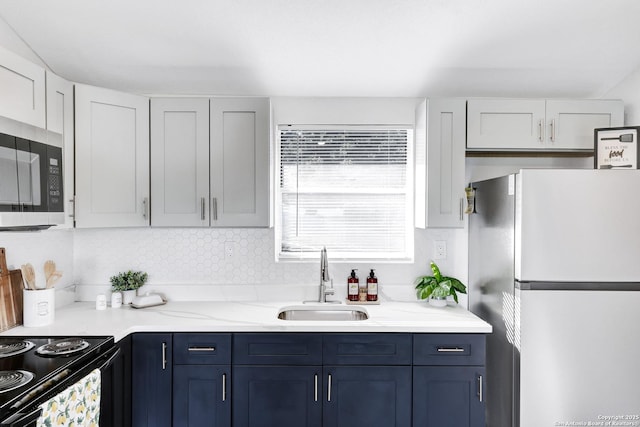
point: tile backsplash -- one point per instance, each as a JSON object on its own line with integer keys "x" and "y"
{"x": 214, "y": 264}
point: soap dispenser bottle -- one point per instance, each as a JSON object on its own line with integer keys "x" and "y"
{"x": 372, "y": 286}
{"x": 352, "y": 286}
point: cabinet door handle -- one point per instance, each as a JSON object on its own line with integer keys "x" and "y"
{"x": 214, "y": 208}
{"x": 315, "y": 388}
{"x": 72, "y": 208}
{"x": 541, "y": 130}
{"x": 329, "y": 388}
{"x": 145, "y": 208}
{"x": 480, "y": 388}
{"x": 461, "y": 209}
{"x": 224, "y": 387}
{"x": 450, "y": 350}
{"x": 202, "y": 202}
{"x": 201, "y": 349}
{"x": 553, "y": 130}
{"x": 164, "y": 356}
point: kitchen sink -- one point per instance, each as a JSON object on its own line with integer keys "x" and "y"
{"x": 322, "y": 313}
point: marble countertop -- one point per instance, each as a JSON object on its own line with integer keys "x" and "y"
{"x": 82, "y": 319}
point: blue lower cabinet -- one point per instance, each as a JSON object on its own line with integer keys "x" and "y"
{"x": 448, "y": 396}
{"x": 367, "y": 396}
{"x": 151, "y": 367}
{"x": 201, "y": 395}
{"x": 277, "y": 396}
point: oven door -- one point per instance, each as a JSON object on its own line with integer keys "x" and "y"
{"x": 42, "y": 401}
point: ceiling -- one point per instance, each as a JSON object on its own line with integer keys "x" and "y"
{"x": 528, "y": 48}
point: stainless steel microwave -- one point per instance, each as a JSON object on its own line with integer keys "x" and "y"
{"x": 31, "y": 179}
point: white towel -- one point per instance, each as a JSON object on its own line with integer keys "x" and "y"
{"x": 78, "y": 405}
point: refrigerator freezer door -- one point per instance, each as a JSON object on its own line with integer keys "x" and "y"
{"x": 577, "y": 225}
{"x": 578, "y": 357}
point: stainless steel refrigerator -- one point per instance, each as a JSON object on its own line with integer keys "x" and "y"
{"x": 554, "y": 266}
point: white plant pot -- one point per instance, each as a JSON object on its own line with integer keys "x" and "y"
{"x": 127, "y": 296}
{"x": 438, "y": 302}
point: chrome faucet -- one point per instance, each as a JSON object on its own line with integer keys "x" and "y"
{"x": 324, "y": 278}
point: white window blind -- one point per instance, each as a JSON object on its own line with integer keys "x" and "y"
{"x": 347, "y": 188}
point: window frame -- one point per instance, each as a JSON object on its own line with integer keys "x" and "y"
{"x": 408, "y": 254}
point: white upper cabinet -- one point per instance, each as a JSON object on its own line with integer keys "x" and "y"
{"x": 538, "y": 124}
{"x": 440, "y": 163}
{"x": 112, "y": 158}
{"x": 60, "y": 119}
{"x": 570, "y": 123}
{"x": 22, "y": 85}
{"x": 210, "y": 162}
{"x": 180, "y": 162}
{"x": 240, "y": 162}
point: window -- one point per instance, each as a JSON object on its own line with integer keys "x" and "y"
{"x": 348, "y": 188}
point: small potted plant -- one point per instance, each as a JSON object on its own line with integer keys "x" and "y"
{"x": 128, "y": 283}
{"x": 437, "y": 288}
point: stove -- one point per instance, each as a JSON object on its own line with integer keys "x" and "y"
{"x": 31, "y": 367}
{"x": 10, "y": 347}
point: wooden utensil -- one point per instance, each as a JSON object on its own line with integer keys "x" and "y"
{"x": 29, "y": 276}
{"x": 51, "y": 274}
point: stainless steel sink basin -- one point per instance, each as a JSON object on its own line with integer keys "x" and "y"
{"x": 323, "y": 313}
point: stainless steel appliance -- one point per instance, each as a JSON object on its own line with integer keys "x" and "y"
{"x": 33, "y": 370}
{"x": 554, "y": 266}
{"x": 31, "y": 178}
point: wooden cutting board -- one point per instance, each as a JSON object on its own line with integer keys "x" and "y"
{"x": 10, "y": 295}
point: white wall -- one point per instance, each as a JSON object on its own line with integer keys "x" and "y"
{"x": 10, "y": 41}
{"x": 629, "y": 91}
{"x": 36, "y": 247}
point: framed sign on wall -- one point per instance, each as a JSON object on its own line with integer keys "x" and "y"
{"x": 616, "y": 148}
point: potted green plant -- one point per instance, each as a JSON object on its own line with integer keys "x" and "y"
{"x": 128, "y": 283}
{"x": 437, "y": 288}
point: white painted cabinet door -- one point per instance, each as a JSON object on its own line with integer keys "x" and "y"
{"x": 60, "y": 120}
{"x": 112, "y": 158}
{"x": 440, "y": 163}
{"x": 570, "y": 123}
{"x": 180, "y": 162}
{"x": 22, "y": 85}
{"x": 505, "y": 124}
{"x": 240, "y": 162}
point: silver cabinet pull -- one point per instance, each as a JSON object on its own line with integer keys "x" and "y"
{"x": 72, "y": 208}
{"x": 224, "y": 387}
{"x": 461, "y": 209}
{"x": 329, "y": 389}
{"x": 202, "y": 202}
{"x": 541, "y": 130}
{"x": 553, "y": 130}
{"x": 145, "y": 208}
{"x": 315, "y": 388}
{"x": 214, "y": 208}
{"x": 480, "y": 387}
{"x": 164, "y": 356}
{"x": 201, "y": 349}
{"x": 450, "y": 350}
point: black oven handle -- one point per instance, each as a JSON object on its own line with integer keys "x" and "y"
{"x": 106, "y": 363}
{"x": 29, "y": 417}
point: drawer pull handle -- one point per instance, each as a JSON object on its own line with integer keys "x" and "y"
{"x": 315, "y": 388}
{"x": 329, "y": 389}
{"x": 164, "y": 356}
{"x": 202, "y": 349}
{"x": 450, "y": 350}
{"x": 224, "y": 387}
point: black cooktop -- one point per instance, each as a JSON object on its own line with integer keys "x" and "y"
{"x": 43, "y": 359}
